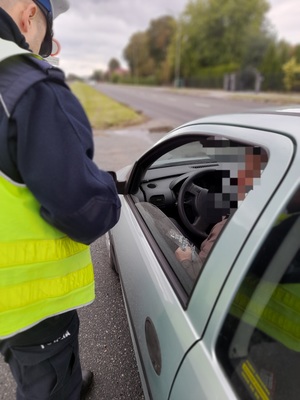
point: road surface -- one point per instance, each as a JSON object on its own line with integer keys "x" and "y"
{"x": 174, "y": 108}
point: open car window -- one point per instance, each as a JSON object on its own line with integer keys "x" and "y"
{"x": 259, "y": 343}
{"x": 170, "y": 238}
{"x": 188, "y": 195}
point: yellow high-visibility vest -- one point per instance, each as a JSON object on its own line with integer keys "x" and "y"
{"x": 42, "y": 271}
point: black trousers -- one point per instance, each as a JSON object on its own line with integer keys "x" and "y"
{"x": 45, "y": 364}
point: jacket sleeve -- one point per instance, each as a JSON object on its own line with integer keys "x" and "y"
{"x": 54, "y": 156}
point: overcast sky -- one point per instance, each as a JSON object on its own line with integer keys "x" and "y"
{"x": 94, "y": 31}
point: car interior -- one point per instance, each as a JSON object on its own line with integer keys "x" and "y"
{"x": 189, "y": 189}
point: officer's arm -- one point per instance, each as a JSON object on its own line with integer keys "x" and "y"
{"x": 54, "y": 157}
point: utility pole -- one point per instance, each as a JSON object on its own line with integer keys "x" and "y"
{"x": 178, "y": 56}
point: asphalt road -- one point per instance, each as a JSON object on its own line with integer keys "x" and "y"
{"x": 175, "y": 107}
{"x": 106, "y": 346}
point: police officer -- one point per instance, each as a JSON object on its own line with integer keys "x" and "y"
{"x": 55, "y": 201}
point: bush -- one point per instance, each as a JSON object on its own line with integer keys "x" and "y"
{"x": 147, "y": 81}
{"x": 211, "y": 77}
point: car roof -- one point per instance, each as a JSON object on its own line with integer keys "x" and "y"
{"x": 281, "y": 120}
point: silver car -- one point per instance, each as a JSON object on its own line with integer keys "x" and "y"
{"x": 207, "y": 250}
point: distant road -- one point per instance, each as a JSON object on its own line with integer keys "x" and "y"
{"x": 173, "y": 107}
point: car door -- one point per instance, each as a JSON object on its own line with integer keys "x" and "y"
{"x": 159, "y": 325}
{"x": 166, "y": 323}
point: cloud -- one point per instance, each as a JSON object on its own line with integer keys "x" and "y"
{"x": 285, "y": 16}
{"x": 94, "y": 31}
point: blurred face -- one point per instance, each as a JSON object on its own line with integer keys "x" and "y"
{"x": 253, "y": 165}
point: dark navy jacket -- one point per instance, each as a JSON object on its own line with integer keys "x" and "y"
{"x": 47, "y": 144}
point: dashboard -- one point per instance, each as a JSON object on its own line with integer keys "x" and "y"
{"x": 161, "y": 185}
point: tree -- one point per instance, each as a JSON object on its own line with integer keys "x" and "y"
{"x": 147, "y": 52}
{"x": 97, "y": 75}
{"x": 160, "y": 35}
{"x": 296, "y": 52}
{"x": 291, "y": 70}
{"x": 138, "y": 57}
{"x": 257, "y": 44}
{"x": 113, "y": 65}
{"x": 276, "y": 55}
{"x": 218, "y": 32}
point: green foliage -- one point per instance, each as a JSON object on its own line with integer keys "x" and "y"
{"x": 115, "y": 78}
{"x": 138, "y": 56}
{"x": 218, "y": 70}
{"x": 217, "y": 32}
{"x": 291, "y": 74}
{"x": 113, "y": 65}
{"x": 146, "y": 52}
{"x": 275, "y": 56}
{"x": 211, "y": 77}
{"x": 296, "y": 53}
{"x": 209, "y": 40}
{"x": 257, "y": 45}
{"x": 160, "y": 34}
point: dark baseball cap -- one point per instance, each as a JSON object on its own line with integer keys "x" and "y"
{"x": 51, "y": 9}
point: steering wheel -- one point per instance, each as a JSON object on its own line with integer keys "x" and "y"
{"x": 193, "y": 204}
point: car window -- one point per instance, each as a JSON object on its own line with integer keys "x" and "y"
{"x": 186, "y": 203}
{"x": 190, "y": 152}
{"x": 170, "y": 238}
{"x": 207, "y": 150}
{"x": 259, "y": 343}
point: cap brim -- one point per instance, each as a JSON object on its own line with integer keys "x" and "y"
{"x": 59, "y": 7}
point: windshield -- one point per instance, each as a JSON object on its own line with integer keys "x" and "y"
{"x": 188, "y": 153}
{"x": 207, "y": 151}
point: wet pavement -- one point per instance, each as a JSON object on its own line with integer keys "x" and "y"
{"x": 114, "y": 149}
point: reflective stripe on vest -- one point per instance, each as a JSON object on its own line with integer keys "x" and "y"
{"x": 42, "y": 272}
{"x": 279, "y": 318}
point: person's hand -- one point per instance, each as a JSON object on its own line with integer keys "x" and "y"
{"x": 184, "y": 255}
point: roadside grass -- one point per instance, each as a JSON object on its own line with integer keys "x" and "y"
{"x": 103, "y": 112}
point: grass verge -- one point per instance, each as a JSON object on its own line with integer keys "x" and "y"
{"x": 103, "y": 112}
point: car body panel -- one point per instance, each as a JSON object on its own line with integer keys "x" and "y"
{"x": 144, "y": 297}
{"x": 200, "y": 377}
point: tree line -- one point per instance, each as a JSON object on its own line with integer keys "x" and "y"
{"x": 213, "y": 44}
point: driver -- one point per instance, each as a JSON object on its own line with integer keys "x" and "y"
{"x": 255, "y": 161}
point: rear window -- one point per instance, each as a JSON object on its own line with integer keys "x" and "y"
{"x": 259, "y": 343}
